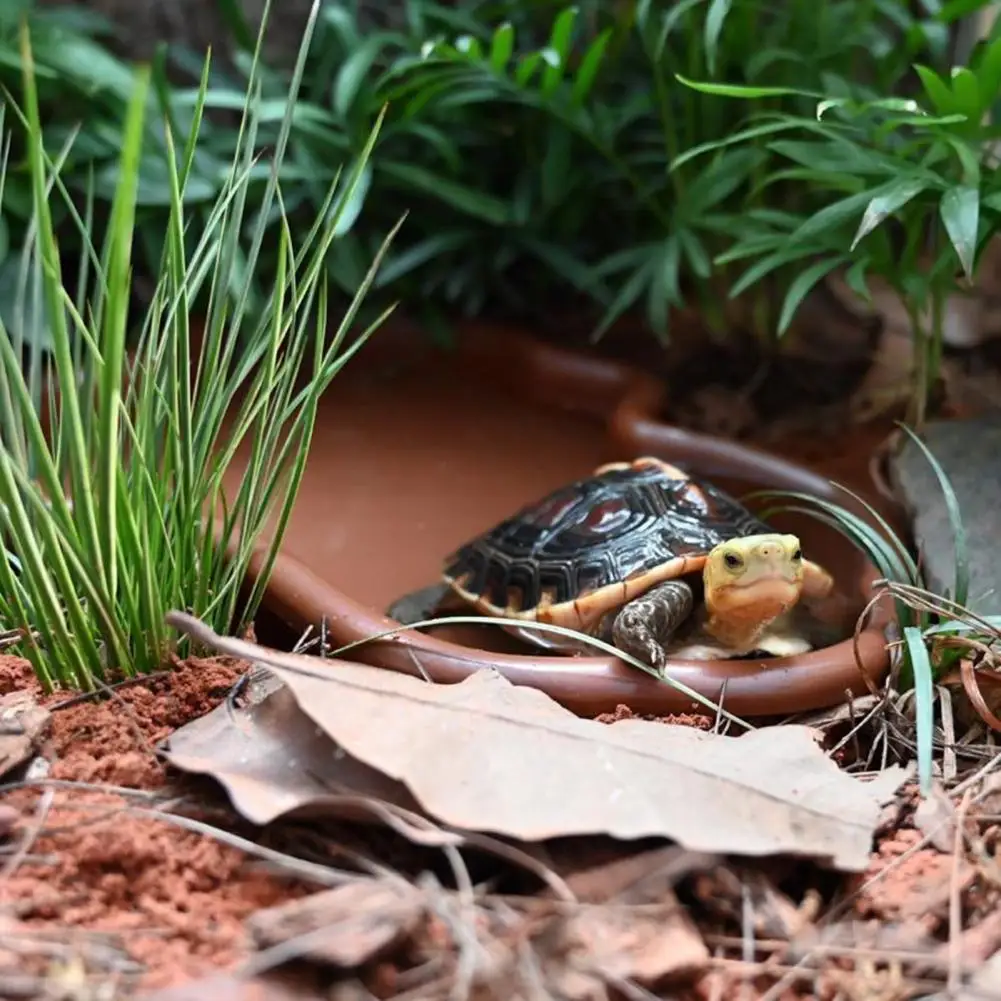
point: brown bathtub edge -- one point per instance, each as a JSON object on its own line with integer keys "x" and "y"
{"x": 632, "y": 402}
{"x": 586, "y": 685}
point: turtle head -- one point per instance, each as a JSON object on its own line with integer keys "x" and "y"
{"x": 749, "y": 582}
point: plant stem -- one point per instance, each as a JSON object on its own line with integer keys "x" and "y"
{"x": 918, "y": 405}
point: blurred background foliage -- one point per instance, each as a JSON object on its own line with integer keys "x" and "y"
{"x": 533, "y": 144}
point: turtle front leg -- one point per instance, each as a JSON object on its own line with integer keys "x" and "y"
{"x": 819, "y": 598}
{"x": 424, "y": 603}
{"x": 817, "y": 582}
{"x": 645, "y": 625}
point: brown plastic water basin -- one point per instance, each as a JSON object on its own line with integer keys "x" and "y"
{"x": 416, "y": 449}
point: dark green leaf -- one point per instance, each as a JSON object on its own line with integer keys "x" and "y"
{"x": 756, "y": 246}
{"x": 924, "y": 695}
{"x": 627, "y": 297}
{"x": 413, "y": 258}
{"x": 734, "y": 139}
{"x": 670, "y": 265}
{"x": 968, "y": 159}
{"x": 989, "y": 74}
{"x": 469, "y": 46}
{"x": 589, "y": 66}
{"x": 938, "y": 92}
{"x": 658, "y": 309}
{"x": 562, "y": 33}
{"x": 890, "y": 199}
{"x": 527, "y": 67}
{"x": 765, "y": 266}
{"x": 802, "y": 284}
{"x": 340, "y": 20}
{"x": 955, "y": 10}
{"x": 834, "y": 157}
{"x": 502, "y": 47}
{"x": 715, "y": 19}
{"x": 695, "y": 251}
{"x": 349, "y": 211}
{"x": 739, "y": 90}
{"x": 822, "y": 224}
{"x": 564, "y": 264}
{"x": 629, "y": 258}
{"x": 966, "y": 93}
{"x": 960, "y": 211}
{"x": 855, "y": 279}
{"x": 717, "y": 183}
{"x": 352, "y": 74}
{"x": 470, "y": 201}
{"x": 674, "y": 17}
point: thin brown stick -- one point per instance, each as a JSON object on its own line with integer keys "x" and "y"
{"x": 108, "y": 690}
{"x": 955, "y": 912}
{"x": 30, "y": 837}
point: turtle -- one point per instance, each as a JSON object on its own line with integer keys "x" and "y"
{"x": 646, "y": 557}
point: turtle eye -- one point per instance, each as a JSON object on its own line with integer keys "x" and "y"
{"x": 797, "y": 555}
{"x": 733, "y": 561}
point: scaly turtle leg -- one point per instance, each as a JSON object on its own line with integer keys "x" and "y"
{"x": 424, "y": 603}
{"x": 817, "y": 582}
{"x": 644, "y": 626}
{"x": 819, "y": 597}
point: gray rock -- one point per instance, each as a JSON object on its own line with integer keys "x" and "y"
{"x": 969, "y": 452}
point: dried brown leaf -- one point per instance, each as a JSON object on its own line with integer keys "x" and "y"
{"x": 487, "y": 755}
{"x": 346, "y": 926}
{"x": 272, "y": 759}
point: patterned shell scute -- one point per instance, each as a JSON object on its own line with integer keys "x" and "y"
{"x": 595, "y": 532}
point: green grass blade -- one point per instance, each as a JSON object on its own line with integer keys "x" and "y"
{"x": 961, "y": 585}
{"x": 924, "y": 694}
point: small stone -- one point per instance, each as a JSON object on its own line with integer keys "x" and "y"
{"x": 969, "y": 451}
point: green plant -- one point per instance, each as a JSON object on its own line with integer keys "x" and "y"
{"x": 903, "y": 190}
{"x": 82, "y": 92}
{"x": 931, "y": 627}
{"x": 589, "y": 117}
{"x": 130, "y": 504}
{"x": 528, "y": 142}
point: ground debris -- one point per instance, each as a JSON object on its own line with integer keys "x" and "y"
{"x": 501, "y": 947}
{"x": 271, "y": 986}
{"x": 23, "y": 725}
{"x": 766, "y": 792}
{"x": 635, "y": 877}
{"x": 9, "y": 817}
{"x": 88, "y": 871}
{"x": 44, "y": 963}
{"x": 647, "y": 945}
{"x": 346, "y": 926}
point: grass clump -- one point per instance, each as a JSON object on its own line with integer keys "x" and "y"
{"x": 935, "y": 634}
{"x": 118, "y": 494}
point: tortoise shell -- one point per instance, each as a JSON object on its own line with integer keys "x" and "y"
{"x": 589, "y": 547}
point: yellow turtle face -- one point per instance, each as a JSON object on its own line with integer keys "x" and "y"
{"x": 754, "y": 577}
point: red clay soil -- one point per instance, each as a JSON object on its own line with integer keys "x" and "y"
{"x": 173, "y": 901}
{"x": 676, "y": 719}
